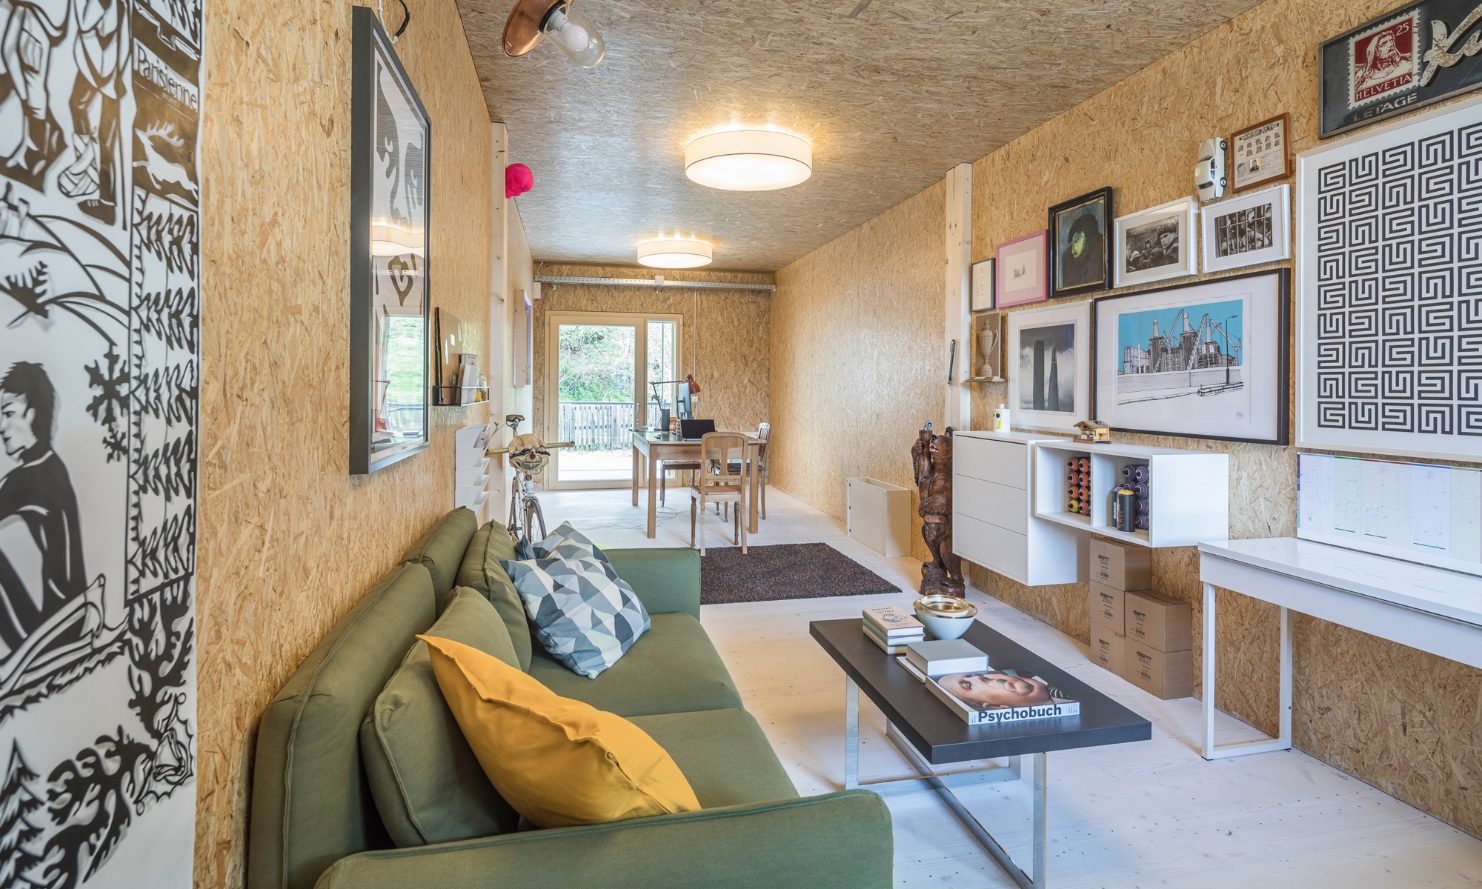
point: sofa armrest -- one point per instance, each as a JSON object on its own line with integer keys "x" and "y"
{"x": 666, "y": 580}
{"x": 836, "y": 841}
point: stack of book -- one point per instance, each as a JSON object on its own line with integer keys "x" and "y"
{"x": 928, "y": 660}
{"x": 892, "y": 628}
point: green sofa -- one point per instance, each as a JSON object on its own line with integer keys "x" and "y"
{"x": 314, "y": 821}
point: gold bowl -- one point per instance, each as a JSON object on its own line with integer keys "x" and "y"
{"x": 945, "y": 617}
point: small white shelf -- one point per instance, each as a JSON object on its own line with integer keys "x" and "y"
{"x": 471, "y": 468}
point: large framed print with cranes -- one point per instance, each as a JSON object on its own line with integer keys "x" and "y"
{"x": 1206, "y": 360}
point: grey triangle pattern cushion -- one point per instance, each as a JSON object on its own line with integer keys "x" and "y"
{"x": 584, "y": 614}
{"x": 567, "y": 543}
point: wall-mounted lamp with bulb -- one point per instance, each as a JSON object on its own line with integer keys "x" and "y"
{"x": 531, "y": 21}
{"x": 674, "y": 253}
{"x": 749, "y": 160}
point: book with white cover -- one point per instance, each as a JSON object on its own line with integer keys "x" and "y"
{"x": 938, "y": 657}
{"x": 893, "y": 620}
{"x": 1003, "y": 696}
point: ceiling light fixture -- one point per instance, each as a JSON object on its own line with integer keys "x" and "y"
{"x": 534, "y": 20}
{"x": 749, "y": 160}
{"x": 674, "y": 253}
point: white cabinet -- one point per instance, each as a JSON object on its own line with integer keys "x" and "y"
{"x": 993, "y": 522}
{"x": 471, "y": 469}
{"x": 879, "y": 515}
{"x": 1187, "y": 492}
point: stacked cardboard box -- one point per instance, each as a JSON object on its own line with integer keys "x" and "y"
{"x": 1157, "y": 655}
{"x": 1115, "y": 570}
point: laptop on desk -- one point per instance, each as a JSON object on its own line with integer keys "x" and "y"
{"x": 692, "y": 430}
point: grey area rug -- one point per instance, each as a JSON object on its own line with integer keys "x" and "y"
{"x": 784, "y": 571}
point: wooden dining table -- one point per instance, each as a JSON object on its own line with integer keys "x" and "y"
{"x": 651, "y": 448}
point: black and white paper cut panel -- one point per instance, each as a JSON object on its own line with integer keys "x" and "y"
{"x": 1389, "y": 289}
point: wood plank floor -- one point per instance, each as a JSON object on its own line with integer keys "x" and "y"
{"x": 1132, "y": 816}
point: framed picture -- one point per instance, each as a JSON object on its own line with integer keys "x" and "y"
{"x": 1080, "y": 252}
{"x": 1261, "y": 153}
{"x": 1050, "y": 384}
{"x": 987, "y": 358}
{"x": 1156, "y": 244}
{"x": 1205, "y": 360}
{"x": 1389, "y": 336}
{"x": 982, "y": 296}
{"x": 389, "y": 218}
{"x": 1021, "y": 271}
{"x": 1247, "y": 230}
{"x": 1401, "y": 61}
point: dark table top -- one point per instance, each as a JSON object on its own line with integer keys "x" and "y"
{"x": 940, "y": 735}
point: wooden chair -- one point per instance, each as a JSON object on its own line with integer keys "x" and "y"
{"x": 763, "y": 431}
{"x": 717, "y": 482}
{"x": 689, "y": 466}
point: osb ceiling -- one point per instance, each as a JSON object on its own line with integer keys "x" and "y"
{"x": 892, "y": 94}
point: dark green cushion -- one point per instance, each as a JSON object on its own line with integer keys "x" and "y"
{"x": 723, "y": 755}
{"x": 480, "y": 570}
{"x": 427, "y": 783}
{"x": 672, "y": 668}
{"x": 441, "y": 551}
{"x": 311, "y": 804}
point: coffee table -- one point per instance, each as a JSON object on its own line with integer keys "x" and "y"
{"x": 931, "y": 735}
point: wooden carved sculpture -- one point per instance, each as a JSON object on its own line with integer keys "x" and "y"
{"x": 932, "y": 458}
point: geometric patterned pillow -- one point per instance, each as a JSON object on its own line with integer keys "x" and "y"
{"x": 584, "y": 614}
{"x": 568, "y": 543}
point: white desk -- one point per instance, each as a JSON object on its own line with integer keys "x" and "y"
{"x": 1426, "y": 608}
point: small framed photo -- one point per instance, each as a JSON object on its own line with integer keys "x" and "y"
{"x": 1156, "y": 244}
{"x": 1247, "y": 230}
{"x": 1050, "y": 349}
{"x": 1021, "y": 271}
{"x": 1261, "y": 153}
{"x": 987, "y": 358}
{"x": 982, "y": 296}
{"x": 1080, "y": 252}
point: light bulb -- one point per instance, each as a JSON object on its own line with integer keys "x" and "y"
{"x": 574, "y": 36}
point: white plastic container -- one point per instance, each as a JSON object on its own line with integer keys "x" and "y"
{"x": 1001, "y": 418}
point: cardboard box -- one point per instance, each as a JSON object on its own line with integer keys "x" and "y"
{"x": 1163, "y": 674}
{"x": 1156, "y": 622}
{"x": 1107, "y": 608}
{"x": 1121, "y": 567}
{"x": 1107, "y": 647}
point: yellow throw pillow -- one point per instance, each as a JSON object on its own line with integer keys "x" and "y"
{"x": 559, "y": 762}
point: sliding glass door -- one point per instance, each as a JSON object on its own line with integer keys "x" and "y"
{"x": 599, "y": 367}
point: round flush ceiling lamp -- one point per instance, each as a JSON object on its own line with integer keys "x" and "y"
{"x": 749, "y": 160}
{"x": 674, "y": 253}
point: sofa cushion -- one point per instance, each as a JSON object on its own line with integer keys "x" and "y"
{"x": 584, "y": 614}
{"x": 723, "y": 754}
{"x": 427, "y": 783}
{"x": 441, "y": 551}
{"x": 559, "y": 762}
{"x": 311, "y": 803}
{"x": 482, "y": 570}
{"x": 673, "y": 668}
{"x": 567, "y": 543}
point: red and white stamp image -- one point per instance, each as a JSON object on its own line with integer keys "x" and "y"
{"x": 1383, "y": 60}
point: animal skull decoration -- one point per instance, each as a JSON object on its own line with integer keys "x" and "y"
{"x": 528, "y": 453}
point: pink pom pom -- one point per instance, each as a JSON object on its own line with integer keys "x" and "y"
{"x": 517, "y": 180}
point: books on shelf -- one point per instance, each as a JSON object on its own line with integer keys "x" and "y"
{"x": 893, "y": 621}
{"x": 895, "y": 645}
{"x": 998, "y": 697}
{"x": 942, "y": 656}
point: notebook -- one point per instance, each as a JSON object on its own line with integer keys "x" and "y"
{"x": 695, "y": 428}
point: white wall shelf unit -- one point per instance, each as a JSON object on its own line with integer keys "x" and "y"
{"x": 471, "y": 469}
{"x": 1188, "y": 491}
{"x": 993, "y": 522}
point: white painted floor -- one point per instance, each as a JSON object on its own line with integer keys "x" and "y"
{"x": 1148, "y": 814}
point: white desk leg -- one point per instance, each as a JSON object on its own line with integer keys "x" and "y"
{"x": 1209, "y": 671}
{"x": 1283, "y": 739}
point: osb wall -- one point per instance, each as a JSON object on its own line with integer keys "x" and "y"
{"x": 857, "y": 364}
{"x": 288, "y": 540}
{"x": 725, "y": 335}
{"x": 1355, "y": 702}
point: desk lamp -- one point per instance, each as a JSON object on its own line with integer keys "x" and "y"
{"x": 663, "y": 411}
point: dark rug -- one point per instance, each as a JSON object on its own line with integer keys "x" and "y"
{"x": 784, "y": 571}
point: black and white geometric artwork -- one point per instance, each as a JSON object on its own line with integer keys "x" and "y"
{"x": 1390, "y": 292}
{"x": 99, "y": 404}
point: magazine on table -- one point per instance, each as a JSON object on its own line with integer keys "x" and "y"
{"x": 999, "y": 696}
